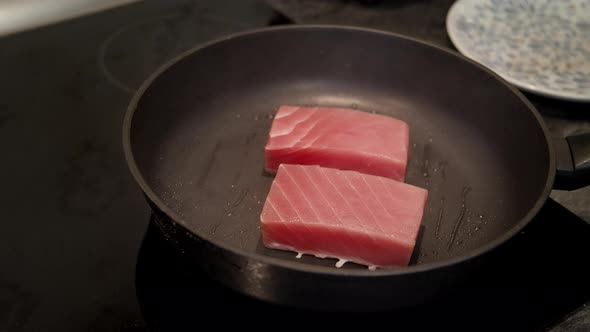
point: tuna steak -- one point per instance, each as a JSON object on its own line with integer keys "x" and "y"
{"x": 338, "y": 138}
{"x": 348, "y": 215}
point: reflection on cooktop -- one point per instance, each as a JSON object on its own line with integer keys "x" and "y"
{"x": 135, "y": 50}
{"x": 530, "y": 283}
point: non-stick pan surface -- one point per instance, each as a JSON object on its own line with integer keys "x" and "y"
{"x": 196, "y": 130}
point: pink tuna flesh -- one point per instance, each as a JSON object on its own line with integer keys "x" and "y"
{"x": 338, "y": 138}
{"x": 349, "y": 215}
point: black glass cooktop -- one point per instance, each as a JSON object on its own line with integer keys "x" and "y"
{"x": 77, "y": 249}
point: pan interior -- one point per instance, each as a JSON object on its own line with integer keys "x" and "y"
{"x": 199, "y": 131}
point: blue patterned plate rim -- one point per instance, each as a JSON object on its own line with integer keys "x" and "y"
{"x": 458, "y": 30}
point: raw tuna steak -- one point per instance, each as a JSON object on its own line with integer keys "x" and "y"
{"x": 338, "y": 138}
{"x": 352, "y": 216}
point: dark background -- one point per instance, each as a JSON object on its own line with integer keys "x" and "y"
{"x": 74, "y": 220}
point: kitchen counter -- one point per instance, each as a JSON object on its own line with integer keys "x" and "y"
{"x": 74, "y": 220}
{"x": 23, "y": 15}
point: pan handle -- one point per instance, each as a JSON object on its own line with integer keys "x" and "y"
{"x": 573, "y": 161}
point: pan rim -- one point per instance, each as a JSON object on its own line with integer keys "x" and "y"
{"x": 324, "y": 270}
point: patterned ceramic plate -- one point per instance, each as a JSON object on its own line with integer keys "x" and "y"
{"x": 542, "y": 46}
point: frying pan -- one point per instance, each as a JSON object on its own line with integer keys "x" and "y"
{"x": 194, "y": 138}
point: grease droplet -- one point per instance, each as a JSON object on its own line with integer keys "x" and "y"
{"x": 340, "y": 263}
{"x": 299, "y": 255}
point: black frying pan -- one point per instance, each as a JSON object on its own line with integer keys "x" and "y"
{"x": 195, "y": 132}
